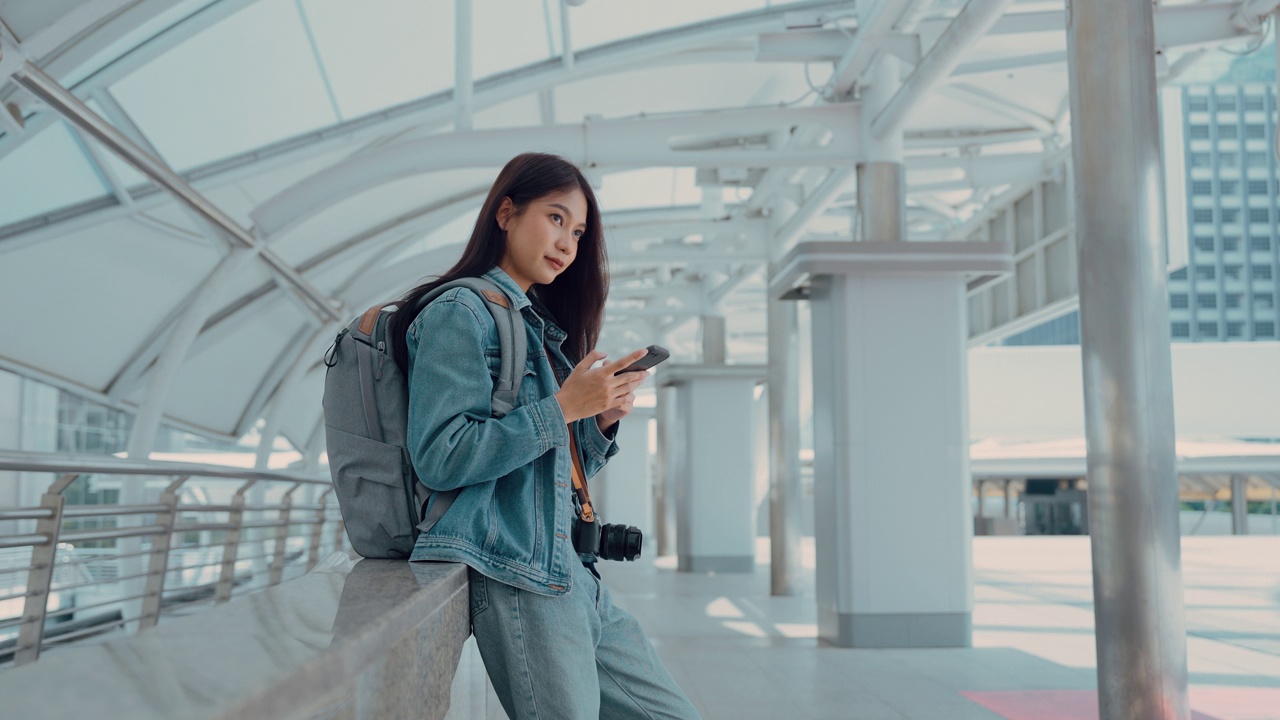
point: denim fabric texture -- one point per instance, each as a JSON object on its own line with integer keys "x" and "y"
{"x": 511, "y": 520}
{"x": 575, "y": 657}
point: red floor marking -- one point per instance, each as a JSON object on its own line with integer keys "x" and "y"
{"x": 1224, "y": 703}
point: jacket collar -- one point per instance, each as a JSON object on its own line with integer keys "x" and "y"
{"x": 504, "y": 281}
{"x": 524, "y": 301}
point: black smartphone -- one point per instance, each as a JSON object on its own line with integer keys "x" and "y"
{"x": 655, "y": 355}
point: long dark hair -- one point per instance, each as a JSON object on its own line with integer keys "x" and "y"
{"x": 575, "y": 299}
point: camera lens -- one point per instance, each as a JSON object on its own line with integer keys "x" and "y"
{"x": 620, "y": 542}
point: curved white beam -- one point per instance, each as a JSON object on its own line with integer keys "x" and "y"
{"x": 601, "y": 145}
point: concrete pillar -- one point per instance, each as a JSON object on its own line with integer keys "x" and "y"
{"x": 891, "y": 416}
{"x": 1239, "y": 505}
{"x": 1128, "y": 380}
{"x": 712, "y": 475}
{"x": 1008, "y": 498}
{"x": 623, "y": 491}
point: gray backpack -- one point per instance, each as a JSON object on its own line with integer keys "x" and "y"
{"x": 366, "y": 405}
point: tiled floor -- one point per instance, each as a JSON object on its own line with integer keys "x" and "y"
{"x": 742, "y": 654}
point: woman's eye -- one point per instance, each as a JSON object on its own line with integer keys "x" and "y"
{"x": 577, "y": 234}
{"x": 557, "y": 218}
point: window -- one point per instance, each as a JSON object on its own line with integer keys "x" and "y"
{"x": 1256, "y": 159}
{"x": 1231, "y": 243}
{"x": 1178, "y": 300}
{"x": 1264, "y": 329}
{"x": 1255, "y": 132}
{"x": 1259, "y": 187}
{"x": 1259, "y": 215}
{"x": 1261, "y": 244}
{"x": 1202, "y": 215}
{"x": 1198, "y": 103}
{"x": 1204, "y": 244}
{"x": 1199, "y": 132}
{"x": 1264, "y": 301}
{"x": 1230, "y": 215}
{"x": 1255, "y": 102}
{"x": 1201, "y": 160}
{"x": 1207, "y": 301}
{"x": 1232, "y": 272}
{"x": 1261, "y": 272}
{"x": 1201, "y": 187}
{"x": 1179, "y": 274}
{"x": 1232, "y": 300}
{"x": 1181, "y": 329}
{"x": 1206, "y": 272}
{"x": 1228, "y": 132}
{"x": 1207, "y": 329}
{"x": 1235, "y": 329}
{"x": 1229, "y": 159}
{"x": 1229, "y": 187}
{"x": 1226, "y": 102}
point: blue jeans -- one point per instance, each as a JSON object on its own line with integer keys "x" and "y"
{"x": 571, "y": 657}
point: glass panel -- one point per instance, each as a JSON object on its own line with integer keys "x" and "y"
{"x": 1027, "y": 286}
{"x": 600, "y": 22}
{"x": 47, "y": 172}
{"x": 1055, "y": 206}
{"x": 379, "y": 54}
{"x": 1058, "y": 275}
{"x": 250, "y": 80}
{"x": 1024, "y": 222}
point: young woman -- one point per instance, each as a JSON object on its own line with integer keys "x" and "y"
{"x": 552, "y": 641}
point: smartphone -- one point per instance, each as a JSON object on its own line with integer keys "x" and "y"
{"x": 655, "y": 355}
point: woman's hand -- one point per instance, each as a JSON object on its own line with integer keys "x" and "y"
{"x": 590, "y": 392}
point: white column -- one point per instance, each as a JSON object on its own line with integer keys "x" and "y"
{"x": 667, "y": 459}
{"x": 623, "y": 491}
{"x": 890, "y": 404}
{"x": 713, "y": 471}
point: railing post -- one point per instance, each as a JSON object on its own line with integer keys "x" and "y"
{"x": 339, "y": 531}
{"x": 232, "y": 545}
{"x": 313, "y": 553}
{"x": 282, "y": 536}
{"x": 160, "y": 547}
{"x": 40, "y": 578}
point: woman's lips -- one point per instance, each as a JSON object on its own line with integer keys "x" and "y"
{"x": 556, "y": 263}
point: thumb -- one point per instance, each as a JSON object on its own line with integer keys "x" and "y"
{"x": 585, "y": 363}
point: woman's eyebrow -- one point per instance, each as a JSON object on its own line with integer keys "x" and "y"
{"x": 567, "y": 212}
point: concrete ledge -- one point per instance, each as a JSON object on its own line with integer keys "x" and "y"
{"x": 895, "y": 630}
{"x": 716, "y": 563}
{"x": 372, "y": 639}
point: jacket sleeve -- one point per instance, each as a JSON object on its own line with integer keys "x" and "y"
{"x": 452, "y": 438}
{"x": 596, "y": 446}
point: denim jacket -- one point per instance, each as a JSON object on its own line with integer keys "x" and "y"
{"x": 511, "y": 521}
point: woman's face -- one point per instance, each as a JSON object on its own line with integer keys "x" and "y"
{"x": 542, "y": 241}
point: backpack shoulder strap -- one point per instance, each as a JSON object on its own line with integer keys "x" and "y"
{"x": 513, "y": 346}
{"x": 512, "y": 341}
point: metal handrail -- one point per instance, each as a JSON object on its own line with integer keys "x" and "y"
{"x": 218, "y": 567}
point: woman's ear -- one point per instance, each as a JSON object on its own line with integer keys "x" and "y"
{"x": 504, "y": 212}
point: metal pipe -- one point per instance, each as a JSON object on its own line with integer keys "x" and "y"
{"x": 566, "y": 42}
{"x": 882, "y": 207}
{"x": 967, "y": 28}
{"x": 73, "y": 511}
{"x": 785, "y": 497}
{"x": 1128, "y": 381}
{"x": 25, "y": 514}
{"x": 17, "y": 541}
{"x": 462, "y": 80}
{"x": 1239, "y": 505}
{"x": 25, "y": 461}
{"x": 74, "y": 111}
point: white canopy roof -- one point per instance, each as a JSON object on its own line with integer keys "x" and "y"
{"x": 718, "y": 132}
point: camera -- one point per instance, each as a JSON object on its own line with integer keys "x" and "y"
{"x": 608, "y": 542}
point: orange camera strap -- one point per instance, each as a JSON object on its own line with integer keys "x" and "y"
{"x": 580, "y": 481}
{"x": 579, "y": 477}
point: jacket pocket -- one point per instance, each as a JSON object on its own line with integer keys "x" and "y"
{"x": 372, "y": 481}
